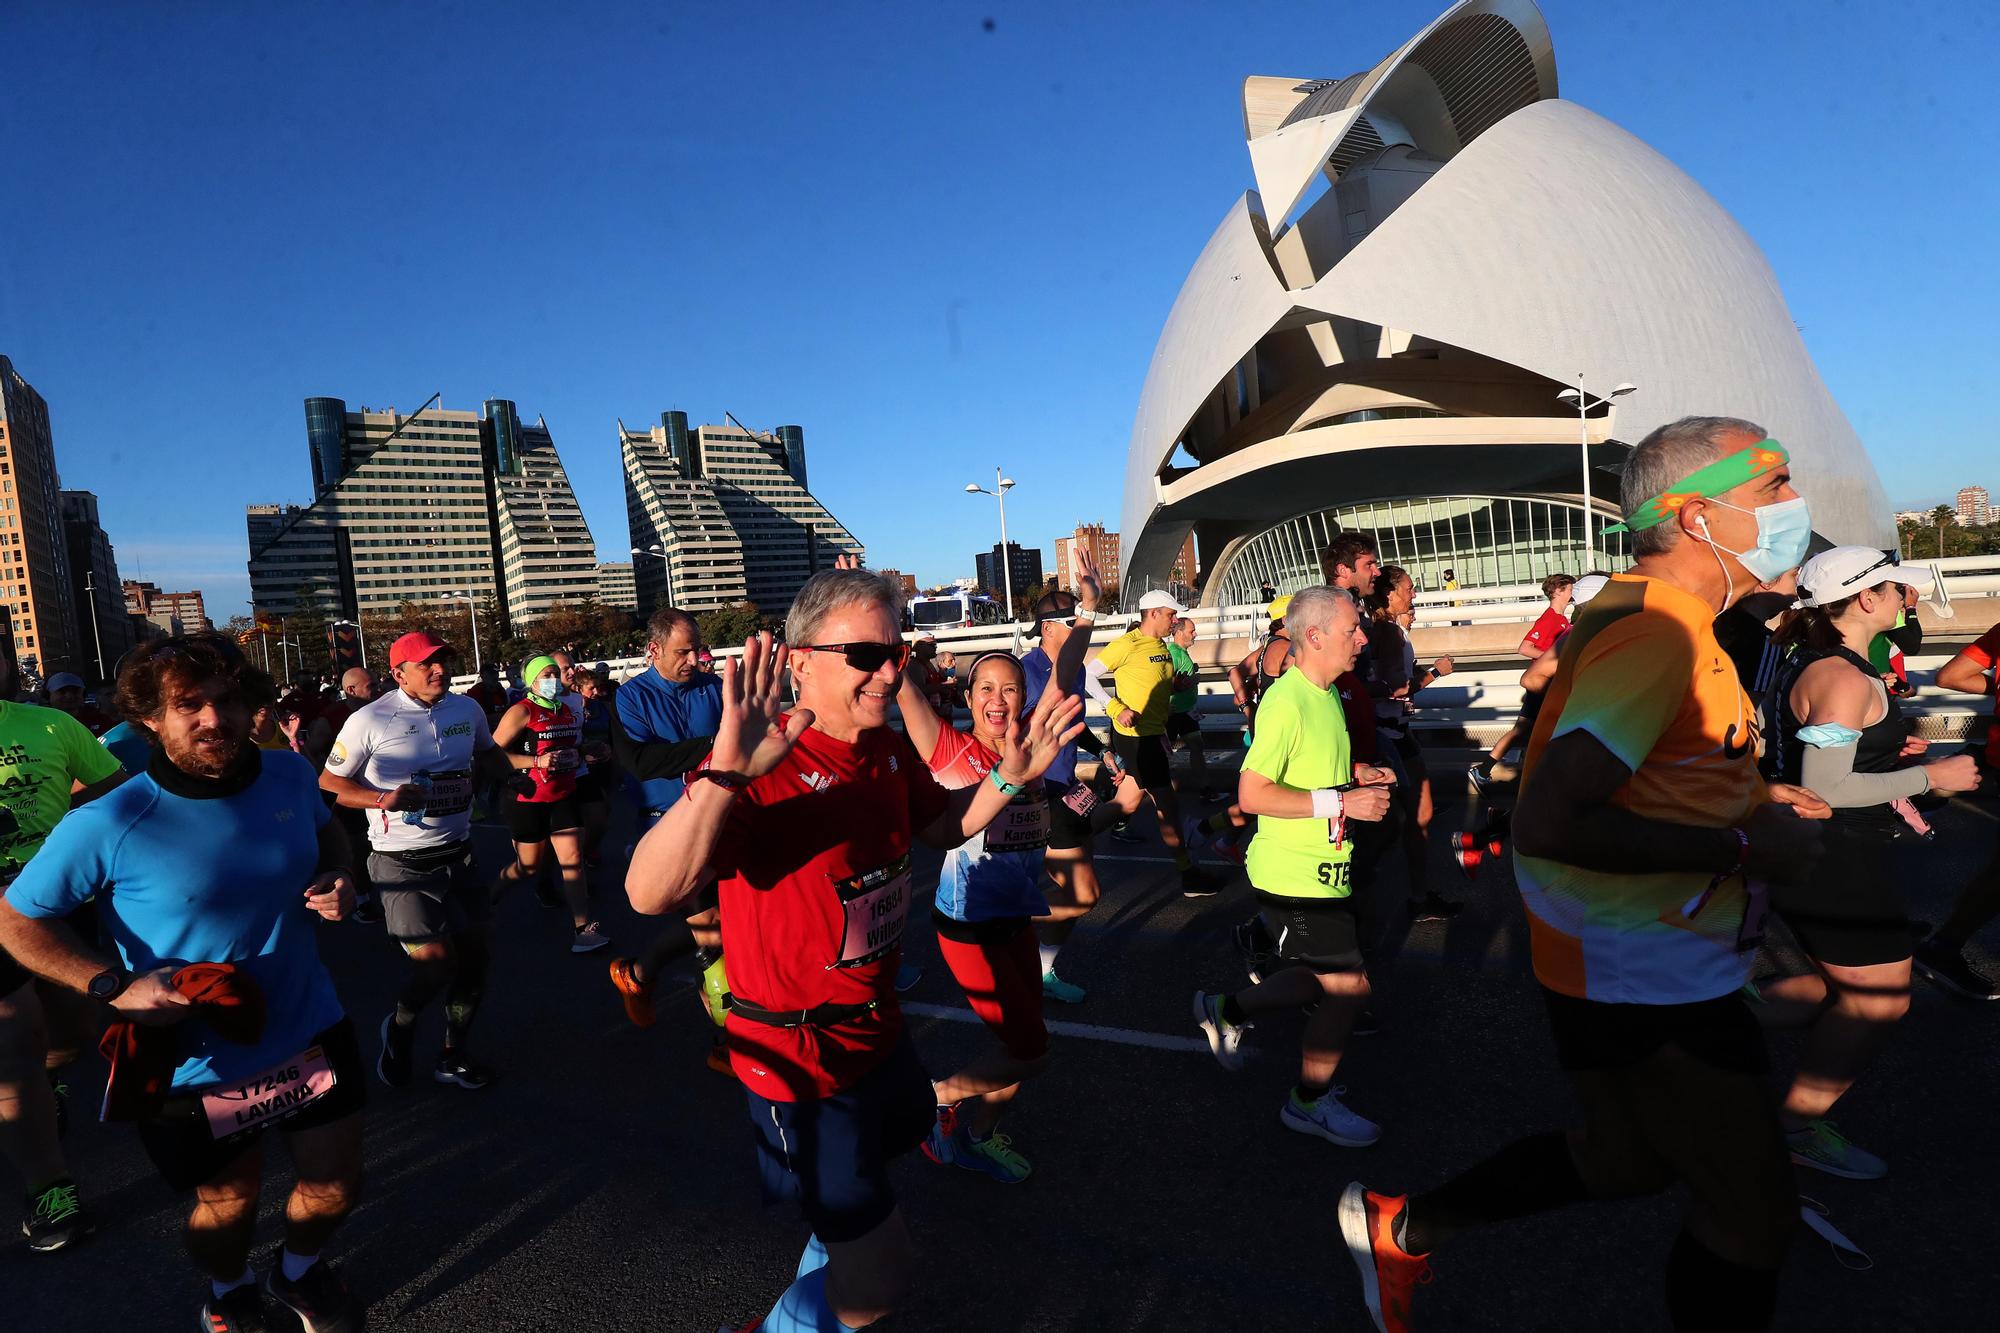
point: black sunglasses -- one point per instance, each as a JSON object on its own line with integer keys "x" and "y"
{"x": 866, "y": 656}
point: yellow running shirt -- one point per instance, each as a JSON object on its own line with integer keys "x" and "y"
{"x": 1642, "y": 672}
{"x": 1142, "y": 678}
{"x": 1300, "y": 742}
{"x": 42, "y": 752}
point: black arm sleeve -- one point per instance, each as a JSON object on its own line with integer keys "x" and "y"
{"x": 1086, "y": 740}
{"x": 655, "y": 759}
{"x": 1909, "y": 636}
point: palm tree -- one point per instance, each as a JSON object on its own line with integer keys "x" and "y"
{"x": 1944, "y": 517}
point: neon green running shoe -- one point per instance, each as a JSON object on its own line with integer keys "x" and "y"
{"x": 995, "y": 1156}
{"x": 1823, "y": 1148}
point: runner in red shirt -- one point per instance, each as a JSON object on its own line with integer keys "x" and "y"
{"x": 988, "y": 897}
{"x": 1552, "y": 625}
{"x": 549, "y": 816}
{"x": 1942, "y": 957}
{"x": 806, "y": 820}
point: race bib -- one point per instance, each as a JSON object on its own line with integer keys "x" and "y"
{"x": 1021, "y": 826}
{"x": 276, "y": 1094}
{"x": 873, "y": 907}
{"x": 450, "y": 792}
{"x": 1080, "y": 798}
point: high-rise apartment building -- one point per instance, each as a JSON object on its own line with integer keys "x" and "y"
{"x": 721, "y": 514}
{"x": 424, "y": 508}
{"x": 1024, "y": 566}
{"x": 34, "y": 558}
{"x": 103, "y": 629}
{"x": 1974, "y": 506}
{"x": 1103, "y": 548}
{"x": 615, "y": 586}
{"x": 906, "y": 582}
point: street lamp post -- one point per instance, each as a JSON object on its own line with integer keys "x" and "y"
{"x": 96, "y": 627}
{"x": 1001, "y": 485}
{"x": 1584, "y": 402}
{"x": 472, "y": 618}
{"x": 666, "y": 567}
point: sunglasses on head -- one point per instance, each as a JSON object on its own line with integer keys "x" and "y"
{"x": 867, "y": 656}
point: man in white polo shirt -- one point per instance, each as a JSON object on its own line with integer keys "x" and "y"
{"x": 406, "y": 761}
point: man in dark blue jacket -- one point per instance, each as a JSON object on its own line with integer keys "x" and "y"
{"x": 663, "y": 722}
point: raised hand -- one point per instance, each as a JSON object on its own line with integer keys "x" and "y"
{"x": 847, "y": 562}
{"x": 1083, "y": 577}
{"x": 750, "y": 741}
{"x": 1033, "y": 745}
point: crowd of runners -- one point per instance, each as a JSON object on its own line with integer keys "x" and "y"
{"x": 1712, "y": 738}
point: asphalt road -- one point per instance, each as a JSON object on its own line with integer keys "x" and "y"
{"x": 606, "y": 1181}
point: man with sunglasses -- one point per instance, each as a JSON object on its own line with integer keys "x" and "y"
{"x": 407, "y": 762}
{"x": 1644, "y": 839}
{"x": 53, "y": 765}
{"x": 806, "y": 822}
{"x": 220, "y": 853}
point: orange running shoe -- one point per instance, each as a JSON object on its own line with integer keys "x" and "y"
{"x": 1389, "y": 1276}
{"x": 638, "y": 995}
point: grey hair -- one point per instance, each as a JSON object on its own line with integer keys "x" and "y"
{"x": 661, "y": 625}
{"x": 1667, "y": 456}
{"x": 831, "y": 589}
{"x": 1313, "y": 608}
{"x": 1179, "y": 622}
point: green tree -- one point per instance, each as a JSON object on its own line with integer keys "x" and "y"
{"x": 728, "y": 627}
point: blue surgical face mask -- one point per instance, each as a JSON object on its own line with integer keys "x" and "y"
{"x": 1784, "y": 532}
{"x": 548, "y": 687}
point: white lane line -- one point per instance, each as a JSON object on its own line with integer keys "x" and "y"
{"x": 1158, "y": 1041}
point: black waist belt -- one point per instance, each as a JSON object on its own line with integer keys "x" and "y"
{"x": 819, "y": 1016}
{"x": 430, "y": 858}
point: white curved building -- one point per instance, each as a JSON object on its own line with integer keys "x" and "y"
{"x": 1376, "y": 337}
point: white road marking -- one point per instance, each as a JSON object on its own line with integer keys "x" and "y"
{"x": 1158, "y": 1041}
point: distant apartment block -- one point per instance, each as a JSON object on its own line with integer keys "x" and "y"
{"x": 1974, "y": 506}
{"x": 615, "y": 586}
{"x": 34, "y": 557}
{"x": 424, "y": 508}
{"x": 721, "y": 514}
{"x": 1024, "y": 567}
{"x": 169, "y": 612}
{"x": 1103, "y": 548}
{"x": 907, "y": 583}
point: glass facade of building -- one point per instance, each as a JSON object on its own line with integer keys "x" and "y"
{"x": 326, "y": 436}
{"x": 1485, "y": 540}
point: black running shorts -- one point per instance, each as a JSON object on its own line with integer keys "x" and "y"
{"x": 1144, "y": 757}
{"x": 1594, "y": 1034}
{"x": 1320, "y": 933}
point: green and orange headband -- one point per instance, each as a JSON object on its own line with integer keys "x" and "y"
{"x": 1705, "y": 483}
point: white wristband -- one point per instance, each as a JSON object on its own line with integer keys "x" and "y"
{"x": 1086, "y": 617}
{"x": 1326, "y": 803}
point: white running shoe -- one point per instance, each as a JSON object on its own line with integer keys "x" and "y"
{"x": 1329, "y": 1120}
{"x": 1225, "y": 1039}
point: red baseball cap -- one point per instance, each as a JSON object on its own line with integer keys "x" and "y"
{"x": 417, "y": 646}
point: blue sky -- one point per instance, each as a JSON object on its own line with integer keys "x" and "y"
{"x": 935, "y": 246}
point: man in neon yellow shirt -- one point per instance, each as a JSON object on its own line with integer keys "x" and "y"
{"x": 1300, "y": 779}
{"x": 50, "y": 762}
{"x": 1142, "y": 676}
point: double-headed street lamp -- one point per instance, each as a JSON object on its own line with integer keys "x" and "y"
{"x": 1001, "y": 485}
{"x": 472, "y": 618}
{"x": 666, "y": 567}
{"x": 1584, "y": 402}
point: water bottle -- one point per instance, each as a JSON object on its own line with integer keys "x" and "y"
{"x": 422, "y": 781}
{"x": 714, "y": 984}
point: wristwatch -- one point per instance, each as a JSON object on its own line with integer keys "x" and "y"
{"x": 108, "y": 985}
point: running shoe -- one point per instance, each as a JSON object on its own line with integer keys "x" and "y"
{"x": 1434, "y": 906}
{"x": 1390, "y": 1275}
{"x": 1477, "y": 775}
{"x": 1062, "y": 992}
{"x": 1233, "y": 846}
{"x": 1210, "y": 796}
{"x": 393, "y": 1065}
{"x": 319, "y": 1299}
{"x": 367, "y": 910}
{"x": 1327, "y": 1118}
{"x": 1824, "y": 1148}
{"x": 907, "y": 977}
{"x": 1253, "y": 944}
{"x": 1198, "y": 883}
{"x": 455, "y": 1068}
{"x": 941, "y": 1147}
{"x": 55, "y": 1218}
{"x": 59, "y": 1090}
{"x": 588, "y": 938}
{"x": 1123, "y": 833}
{"x": 993, "y": 1155}
{"x": 1225, "y": 1039}
{"x": 1193, "y": 840}
{"x": 241, "y": 1311}
{"x": 637, "y": 994}
{"x": 1947, "y": 968}
{"x": 1366, "y": 1024}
